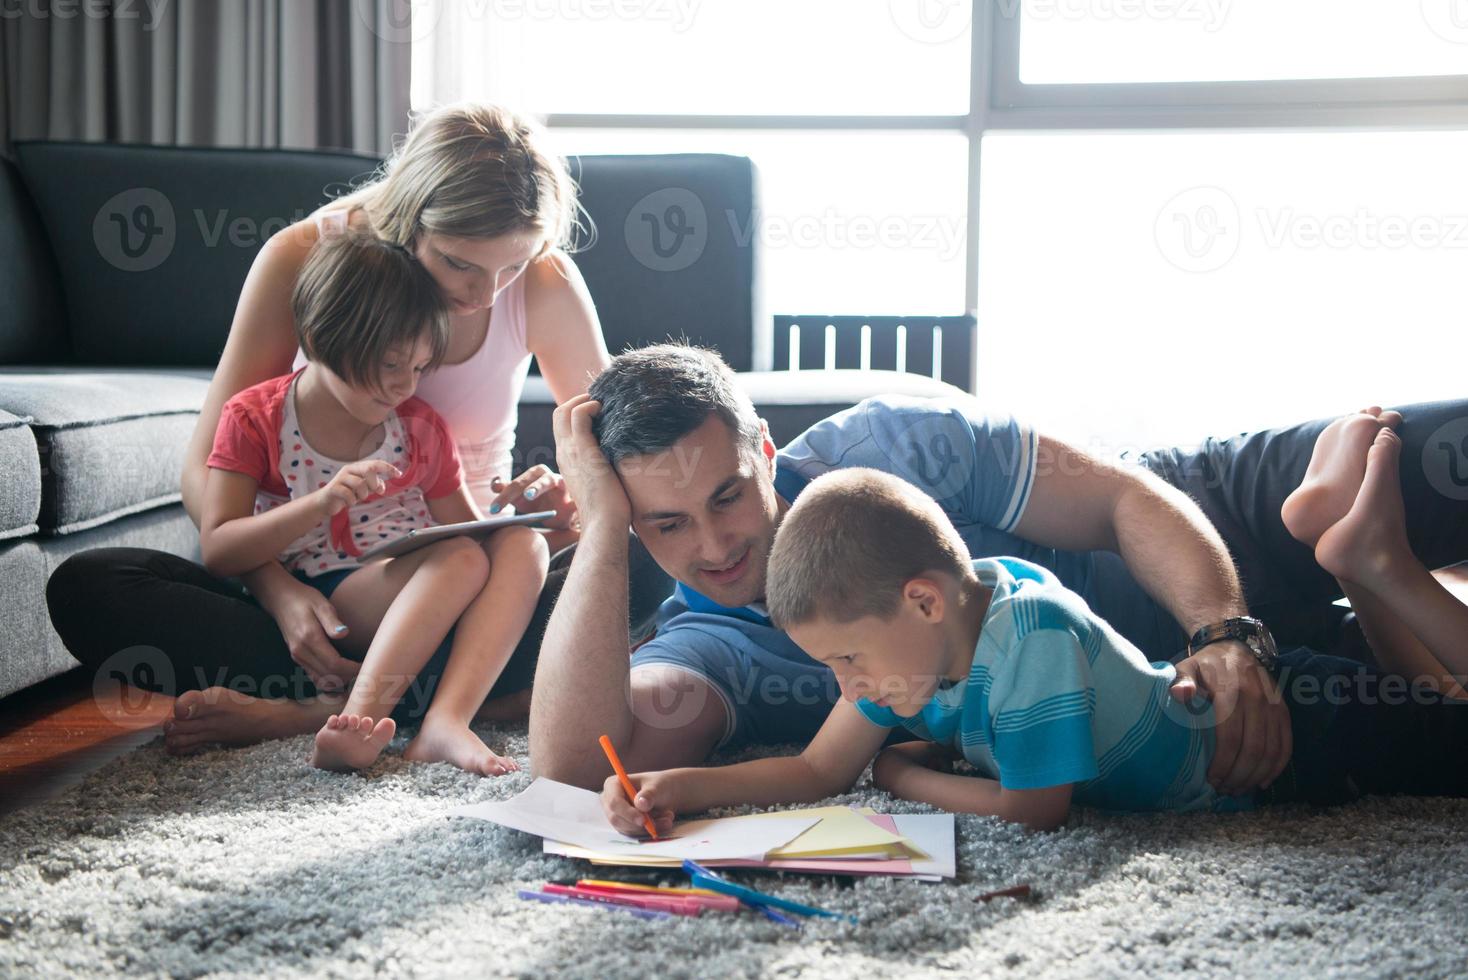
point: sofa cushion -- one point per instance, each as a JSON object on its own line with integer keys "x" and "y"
{"x": 674, "y": 253}
{"x": 110, "y": 442}
{"x": 154, "y": 243}
{"x": 20, "y": 503}
{"x": 27, "y": 656}
{"x": 32, "y": 317}
{"x": 790, "y": 401}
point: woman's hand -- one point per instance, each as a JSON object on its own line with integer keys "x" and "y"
{"x": 656, "y": 798}
{"x": 309, "y": 623}
{"x": 538, "y": 488}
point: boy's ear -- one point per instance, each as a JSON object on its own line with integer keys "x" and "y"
{"x": 925, "y": 597}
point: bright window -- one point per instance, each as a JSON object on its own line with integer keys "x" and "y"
{"x": 1081, "y": 41}
{"x": 1149, "y": 289}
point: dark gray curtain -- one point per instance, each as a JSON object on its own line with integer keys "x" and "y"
{"x": 274, "y": 73}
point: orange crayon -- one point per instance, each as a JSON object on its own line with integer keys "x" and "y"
{"x": 627, "y": 787}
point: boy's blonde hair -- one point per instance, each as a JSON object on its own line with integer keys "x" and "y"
{"x": 357, "y": 297}
{"x": 471, "y": 171}
{"x": 850, "y": 543}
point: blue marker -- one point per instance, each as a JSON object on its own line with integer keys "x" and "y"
{"x": 704, "y": 878}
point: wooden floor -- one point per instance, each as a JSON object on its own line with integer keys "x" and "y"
{"x": 54, "y": 734}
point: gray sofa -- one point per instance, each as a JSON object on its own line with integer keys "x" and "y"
{"x": 119, "y": 271}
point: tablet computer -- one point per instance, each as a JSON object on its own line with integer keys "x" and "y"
{"x": 416, "y": 539}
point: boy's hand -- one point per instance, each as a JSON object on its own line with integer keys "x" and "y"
{"x": 656, "y": 798}
{"x": 354, "y": 483}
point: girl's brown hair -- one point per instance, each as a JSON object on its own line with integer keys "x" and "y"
{"x": 358, "y": 297}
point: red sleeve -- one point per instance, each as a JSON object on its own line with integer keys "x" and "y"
{"x": 239, "y": 444}
{"x": 435, "y": 455}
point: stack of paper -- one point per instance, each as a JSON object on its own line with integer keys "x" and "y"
{"x": 823, "y": 840}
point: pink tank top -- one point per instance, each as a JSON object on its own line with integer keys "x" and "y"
{"x": 479, "y": 398}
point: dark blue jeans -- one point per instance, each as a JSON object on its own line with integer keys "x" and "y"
{"x": 1241, "y": 482}
{"x": 1360, "y": 732}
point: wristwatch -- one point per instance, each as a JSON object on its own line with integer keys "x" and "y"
{"x": 1248, "y": 631}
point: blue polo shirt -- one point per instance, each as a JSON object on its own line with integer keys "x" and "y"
{"x": 979, "y": 466}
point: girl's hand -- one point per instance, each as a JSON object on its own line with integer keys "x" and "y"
{"x": 656, "y": 798}
{"x": 538, "y": 488}
{"x": 354, "y": 483}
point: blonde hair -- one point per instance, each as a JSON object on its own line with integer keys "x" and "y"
{"x": 471, "y": 170}
{"x": 357, "y": 297}
{"x": 851, "y": 542}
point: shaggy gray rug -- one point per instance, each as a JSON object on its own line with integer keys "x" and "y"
{"x": 251, "y": 863}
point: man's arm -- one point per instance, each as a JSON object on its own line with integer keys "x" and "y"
{"x": 1079, "y": 503}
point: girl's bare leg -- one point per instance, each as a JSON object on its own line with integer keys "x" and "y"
{"x": 423, "y": 594}
{"x": 485, "y": 638}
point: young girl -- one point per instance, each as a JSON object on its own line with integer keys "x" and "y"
{"x": 317, "y": 467}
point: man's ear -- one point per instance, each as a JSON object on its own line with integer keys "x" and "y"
{"x": 925, "y": 596}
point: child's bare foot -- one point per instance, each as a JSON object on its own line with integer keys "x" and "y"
{"x": 439, "y": 741}
{"x": 218, "y": 715}
{"x": 1337, "y": 466}
{"x": 1370, "y": 542}
{"x": 348, "y": 742}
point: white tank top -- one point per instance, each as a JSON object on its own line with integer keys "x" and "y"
{"x": 479, "y": 398}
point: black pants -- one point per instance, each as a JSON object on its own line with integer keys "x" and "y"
{"x": 163, "y": 623}
{"x": 1359, "y": 732}
{"x": 1240, "y": 483}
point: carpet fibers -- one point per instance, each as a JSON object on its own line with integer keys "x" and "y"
{"x": 251, "y": 863}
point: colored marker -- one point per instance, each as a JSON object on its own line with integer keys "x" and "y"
{"x": 533, "y": 896}
{"x": 720, "y": 903}
{"x": 663, "y": 903}
{"x": 627, "y": 787}
{"x": 633, "y": 887}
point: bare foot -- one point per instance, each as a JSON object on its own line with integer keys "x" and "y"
{"x": 348, "y": 742}
{"x": 1337, "y": 466}
{"x": 456, "y": 744}
{"x": 220, "y": 716}
{"x": 1370, "y": 541}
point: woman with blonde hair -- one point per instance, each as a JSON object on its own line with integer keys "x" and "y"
{"x": 475, "y": 197}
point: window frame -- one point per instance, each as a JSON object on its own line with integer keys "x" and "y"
{"x": 1000, "y": 101}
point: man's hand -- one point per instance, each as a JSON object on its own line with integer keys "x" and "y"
{"x": 593, "y": 483}
{"x": 657, "y": 797}
{"x": 1253, "y": 724}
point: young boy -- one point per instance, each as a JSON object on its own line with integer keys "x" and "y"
{"x": 995, "y": 662}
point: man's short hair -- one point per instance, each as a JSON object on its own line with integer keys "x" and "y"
{"x": 357, "y": 297}
{"x": 850, "y": 543}
{"x": 654, "y": 396}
